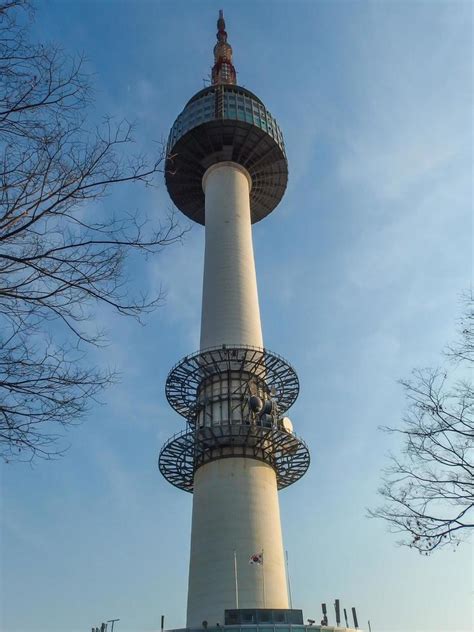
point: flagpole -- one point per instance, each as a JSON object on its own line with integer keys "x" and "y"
{"x": 263, "y": 582}
{"x": 236, "y": 581}
{"x": 288, "y": 579}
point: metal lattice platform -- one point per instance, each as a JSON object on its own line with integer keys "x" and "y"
{"x": 184, "y": 380}
{"x": 185, "y": 452}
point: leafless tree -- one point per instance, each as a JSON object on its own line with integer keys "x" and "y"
{"x": 428, "y": 491}
{"x": 57, "y": 262}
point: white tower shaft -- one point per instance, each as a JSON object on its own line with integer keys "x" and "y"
{"x": 235, "y": 506}
{"x": 230, "y": 311}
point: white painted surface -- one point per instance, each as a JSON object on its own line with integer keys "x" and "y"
{"x": 230, "y": 311}
{"x": 235, "y": 507}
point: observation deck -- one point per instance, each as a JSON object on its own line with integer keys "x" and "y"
{"x": 225, "y": 122}
{"x": 233, "y": 399}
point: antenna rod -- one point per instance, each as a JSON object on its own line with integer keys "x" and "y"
{"x": 223, "y": 71}
{"x": 288, "y": 579}
{"x": 324, "y": 620}
{"x": 338, "y": 612}
{"x": 236, "y": 578}
{"x": 354, "y": 616}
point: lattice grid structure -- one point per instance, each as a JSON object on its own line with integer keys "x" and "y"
{"x": 222, "y": 424}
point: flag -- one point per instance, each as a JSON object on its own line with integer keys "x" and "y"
{"x": 256, "y": 558}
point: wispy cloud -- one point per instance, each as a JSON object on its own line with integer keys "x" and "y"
{"x": 181, "y": 276}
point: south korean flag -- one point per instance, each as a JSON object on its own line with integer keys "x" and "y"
{"x": 256, "y": 558}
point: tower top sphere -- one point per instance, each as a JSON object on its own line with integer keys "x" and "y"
{"x": 225, "y": 122}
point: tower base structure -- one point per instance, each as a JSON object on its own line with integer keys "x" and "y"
{"x": 227, "y": 493}
{"x": 265, "y": 627}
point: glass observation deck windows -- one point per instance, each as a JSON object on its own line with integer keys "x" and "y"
{"x": 225, "y": 122}
{"x": 224, "y": 103}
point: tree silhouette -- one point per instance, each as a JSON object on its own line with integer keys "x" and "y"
{"x": 428, "y": 490}
{"x": 56, "y": 262}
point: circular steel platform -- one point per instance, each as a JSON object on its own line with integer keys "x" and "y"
{"x": 185, "y": 452}
{"x": 185, "y": 379}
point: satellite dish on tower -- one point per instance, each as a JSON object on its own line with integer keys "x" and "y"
{"x": 268, "y": 406}
{"x": 256, "y": 404}
{"x": 287, "y": 425}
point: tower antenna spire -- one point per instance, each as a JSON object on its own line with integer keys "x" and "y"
{"x": 223, "y": 71}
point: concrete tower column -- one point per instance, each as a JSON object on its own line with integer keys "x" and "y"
{"x": 230, "y": 311}
{"x": 235, "y": 506}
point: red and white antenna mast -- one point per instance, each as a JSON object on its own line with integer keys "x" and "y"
{"x": 223, "y": 71}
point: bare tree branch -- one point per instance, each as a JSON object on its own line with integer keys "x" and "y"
{"x": 428, "y": 492}
{"x": 57, "y": 264}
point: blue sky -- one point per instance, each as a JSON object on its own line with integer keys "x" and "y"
{"x": 360, "y": 270}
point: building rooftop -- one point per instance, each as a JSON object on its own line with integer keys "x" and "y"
{"x": 269, "y": 628}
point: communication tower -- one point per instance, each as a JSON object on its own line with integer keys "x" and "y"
{"x": 226, "y": 168}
